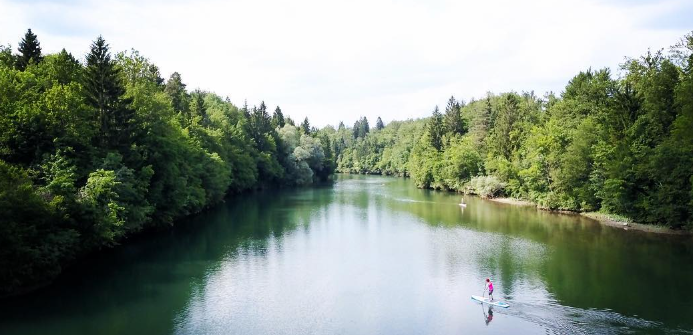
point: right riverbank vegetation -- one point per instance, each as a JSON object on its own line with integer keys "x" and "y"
{"x": 620, "y": 145}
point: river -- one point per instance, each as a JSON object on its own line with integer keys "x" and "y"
{"x": 371, "y": 255}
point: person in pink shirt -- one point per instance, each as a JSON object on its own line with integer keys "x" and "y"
{"x": 489, "y": 287}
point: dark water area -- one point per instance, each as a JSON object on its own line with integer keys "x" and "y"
{"x": 371, "y": 255}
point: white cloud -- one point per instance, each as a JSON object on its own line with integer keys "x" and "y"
{"x": 338, "y": 60}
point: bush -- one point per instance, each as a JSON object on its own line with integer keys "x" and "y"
{"x": 485, "y": 186}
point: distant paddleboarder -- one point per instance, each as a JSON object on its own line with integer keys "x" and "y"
{"x": 489, "y": 288}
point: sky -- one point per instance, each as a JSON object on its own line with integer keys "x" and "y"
{"x": 339, "y": 60}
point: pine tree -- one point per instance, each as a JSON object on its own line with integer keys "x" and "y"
{"x": 357, "y": 129}
{"x": 260, "y": 120}
{"x": 379, "y": 124}
{"x": 278, "y": 118}
{"x": 197, "y": 106}
{"x": 436, "y": 129}
{"x": 453, "y": 120}
{"x": 105, "y": 92}
{"x": 365, "y": 128}
{"x": 245, "y": 110}
{"x": 175, "y": 88}
{"x": 29, "y": 51}
{"x": 305, "y": 126}
{"x": 341, "y": 125}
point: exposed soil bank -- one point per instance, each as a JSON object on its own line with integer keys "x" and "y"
{"x": 602, "y": 218}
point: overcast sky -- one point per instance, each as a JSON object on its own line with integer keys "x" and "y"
{"x": 338, "y": 60}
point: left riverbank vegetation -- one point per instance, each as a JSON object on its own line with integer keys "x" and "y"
{"x": 93, "y": 151}
{"x": 622, "y": 146}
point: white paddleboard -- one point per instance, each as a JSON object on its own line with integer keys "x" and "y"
{"x": 486, "y": 301}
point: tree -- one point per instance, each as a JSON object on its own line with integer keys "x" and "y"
{"x": 278, "y": 118}
{"x": 364, "y": 127}
{"x": 175, "y": 88}
{"x": 356, "y": 131}
{"x": 7, "y": 59}
{"x": 197, "y": 106}
{"x": 29, "y": 51}
{"x": 453, "y": 120}
{"x": 436, "y": 129}
{"x": 379, "y": 124}
{"x": 305, "y": 126}
{"x": 106, "y": 94}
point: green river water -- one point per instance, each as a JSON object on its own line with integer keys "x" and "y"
{"x": 371, "y": 255}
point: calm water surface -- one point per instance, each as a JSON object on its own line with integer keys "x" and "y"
{"x": 371, "y": 255}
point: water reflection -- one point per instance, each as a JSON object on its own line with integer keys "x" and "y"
{"x": 370, "y": 255}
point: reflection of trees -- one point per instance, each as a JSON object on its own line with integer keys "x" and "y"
{"x": 142, "y": 286}
{"x": 580, "y": 263}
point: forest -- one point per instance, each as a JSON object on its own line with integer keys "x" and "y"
{"x": 617, "y": 144}
{"x": 94, "y": 151}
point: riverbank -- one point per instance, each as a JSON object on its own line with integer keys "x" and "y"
{"x": 606, "y": 219}
{"x": 512, "y": 201}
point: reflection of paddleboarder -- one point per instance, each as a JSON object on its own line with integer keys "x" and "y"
{"x": 488, "y": 317}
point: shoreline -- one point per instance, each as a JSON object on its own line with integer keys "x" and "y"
{"x": 602, "y": 218}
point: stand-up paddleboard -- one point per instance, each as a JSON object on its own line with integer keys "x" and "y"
{"x": 486, "y": 301}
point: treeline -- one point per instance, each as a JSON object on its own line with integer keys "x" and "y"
{"x": 93, "y": 151}
{"x": 618, "y": 145}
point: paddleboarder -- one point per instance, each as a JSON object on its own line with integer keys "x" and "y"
{"x": 489, "y": 287}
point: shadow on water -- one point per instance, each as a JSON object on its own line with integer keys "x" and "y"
{"x": 141, "y": 286}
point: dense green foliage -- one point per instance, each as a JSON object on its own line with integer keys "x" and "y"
{"x": 91, "y": 153}
{"x": 622, "y": 146}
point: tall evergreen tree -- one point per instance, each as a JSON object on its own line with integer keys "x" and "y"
{"x": 453, "y": 120}
{"x": 305, "y": 126}
{"x": 245, "y": 110}
{"x": 29, "y": 51}
{"x": 364, "y": 127}
{"x": 436, "y": 129}
{"x": 105, "y": 93}
{"x": 278, "y": 118}
{"x": 357, "y": 129}
{"x": 197, "y": 106}
{"x": 379, "y": 124}
{"x": 341, "y": 125}
{"x": 175, "y": 88}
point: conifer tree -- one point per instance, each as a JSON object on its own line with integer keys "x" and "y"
{"x": 379, "y": 124}
{"x": 197, "y": 106}
{"x": 365, "y": 128}
{"x": 341, "y": 125}
{"x": 29, "y": 51}
{"x": 305, "y": 126}
{"x": 453, "y": 120}
{"x": 245, "y": 110}
{"x": 105, "y": 92}
{"x": 357, "y": 129}
{"x": 175, "y": 88}
{"x": 436, "y": 129}
{"x": 261, "y": 119}
{"x": 278, "y": 118}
